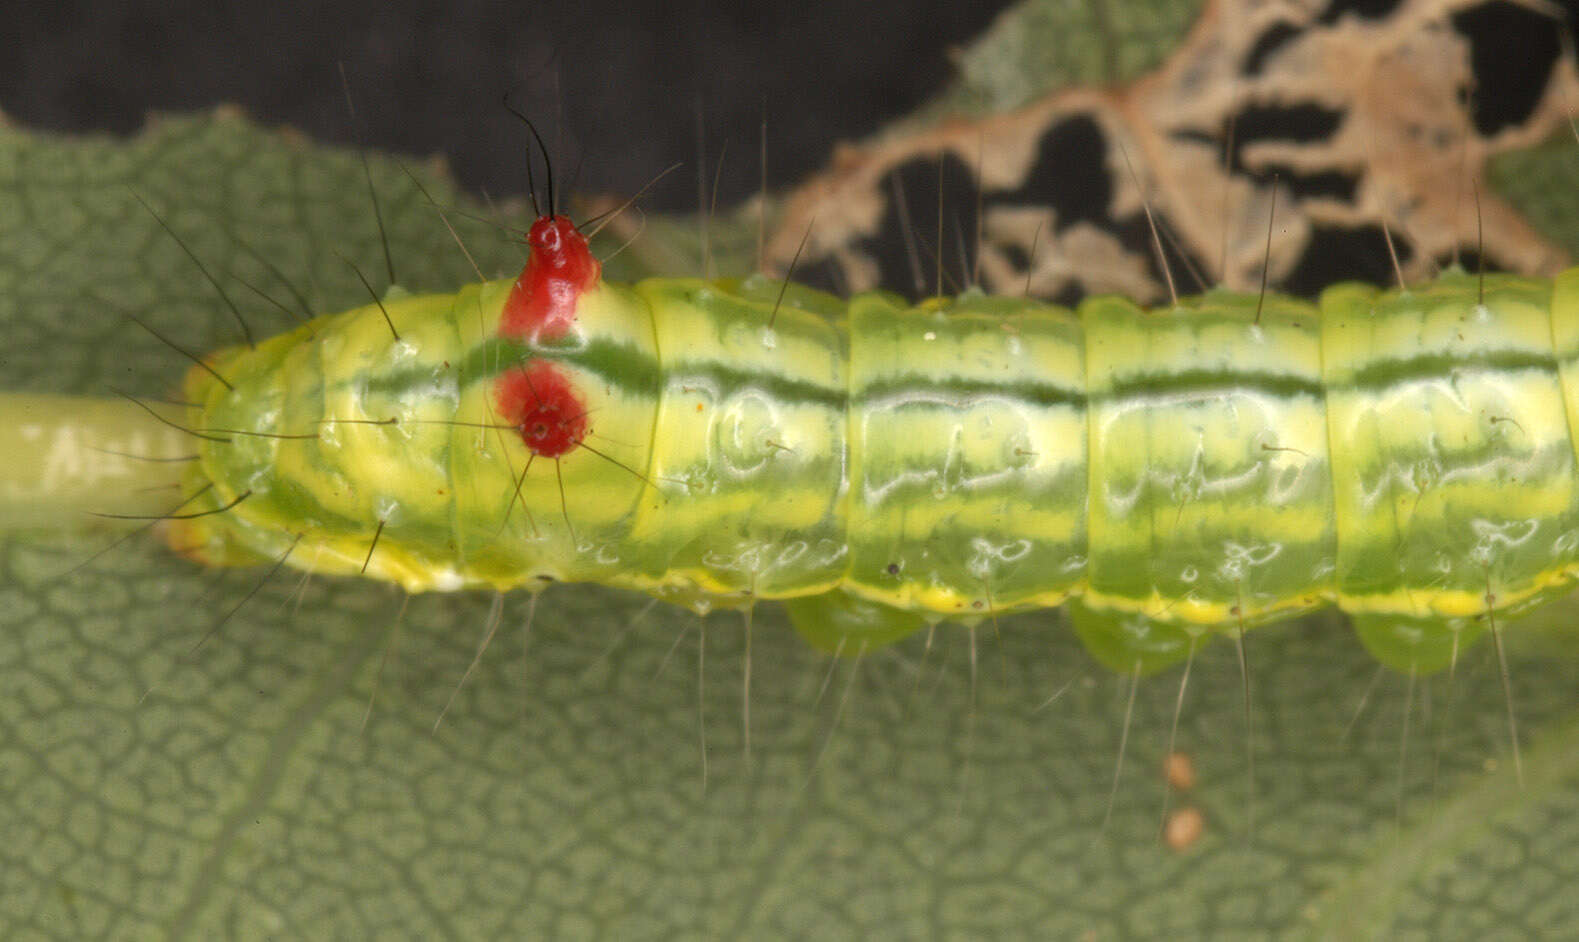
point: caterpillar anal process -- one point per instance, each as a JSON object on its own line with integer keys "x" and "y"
{"x": 1408, "y": 456}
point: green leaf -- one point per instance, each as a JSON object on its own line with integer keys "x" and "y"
{"x": 1041, "y": 45}
{"x": 182, "y": 758}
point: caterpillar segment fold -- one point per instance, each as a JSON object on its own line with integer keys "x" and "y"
{"x": 1408, "y": 456}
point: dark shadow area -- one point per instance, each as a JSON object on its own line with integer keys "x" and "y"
{"x": 618, "y": 87}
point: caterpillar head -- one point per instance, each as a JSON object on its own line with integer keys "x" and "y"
{"x": 414, "y": 440}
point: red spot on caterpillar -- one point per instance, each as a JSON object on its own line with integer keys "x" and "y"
{"x": 542, "y": 304}
{"x": 540, "y": 401}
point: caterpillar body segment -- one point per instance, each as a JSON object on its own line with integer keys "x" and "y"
{"x": 1406, "y": 455}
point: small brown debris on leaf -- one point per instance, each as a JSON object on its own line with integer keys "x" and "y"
{"x": 1179, "y": 769}
{"x": 1185, "y": 827}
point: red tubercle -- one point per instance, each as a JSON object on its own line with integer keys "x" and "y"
{"x": 541, "y": 403}
{"x": 542, "y": 303}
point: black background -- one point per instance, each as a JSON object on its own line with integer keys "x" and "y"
{"x": 617, "y": 88}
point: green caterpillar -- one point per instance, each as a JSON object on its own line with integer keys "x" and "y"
{"x": 1232, "y": 460}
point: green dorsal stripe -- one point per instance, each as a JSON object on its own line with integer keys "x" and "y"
{"x": 1381, "y": 374}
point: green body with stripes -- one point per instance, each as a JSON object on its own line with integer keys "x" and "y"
{"x": 1210, "y": 467}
